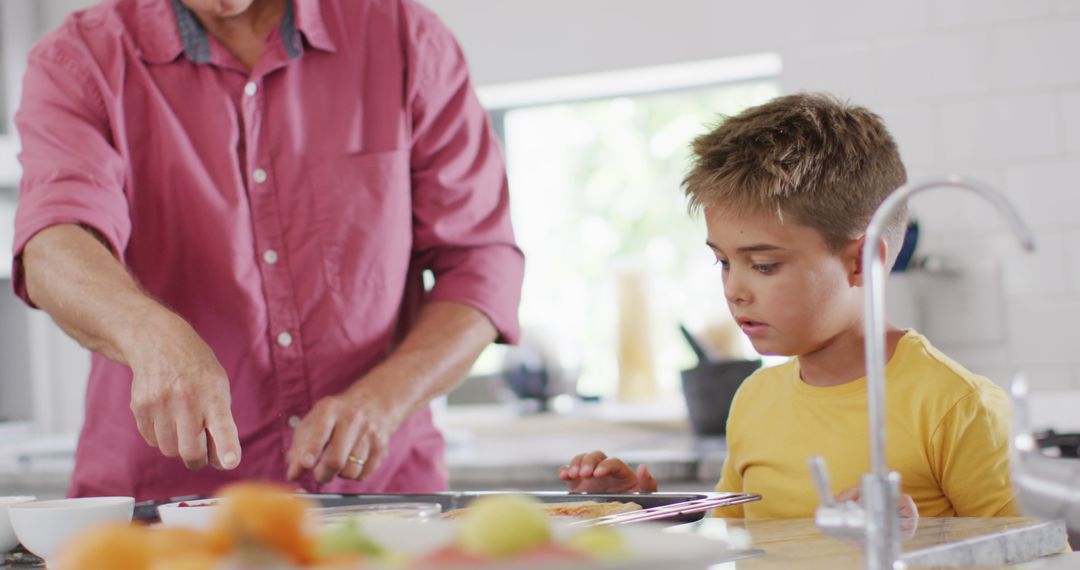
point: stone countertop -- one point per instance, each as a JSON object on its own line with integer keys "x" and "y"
{"x": 936, "y": 543}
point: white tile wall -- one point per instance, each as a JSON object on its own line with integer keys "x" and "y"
{"x": 913, "y": 127}
{"x": 846, "y": 69}
{"x": 1038, "y": 55}
{"x": 999, "y": 128}
{"x": 1072, "y": 254}
{"x": 1044, "y": 331}
{"x": 1042, "y": 273}
{"x": 1047, "y": 192}
{"x": 967, "y": 13}
{"x": 1067, "y": 6}
{"x": 1070, "y": 121}
{"x": 934, "y": 65}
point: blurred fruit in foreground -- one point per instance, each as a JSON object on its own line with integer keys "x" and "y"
{"x": 117, "y": 546}
{"x": 258, "y": 516}
{"x": 191, "y": 561}
{"x": 347, "y": 538}
{"x": 502, "y": 526}
{"x": 169, "y": 543}
{"x": 601, "y": 543}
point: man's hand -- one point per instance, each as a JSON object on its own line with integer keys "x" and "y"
{"x": 180, "y": 396}
{"x": 595, "y": 472}
{"x": 342, "y": 436}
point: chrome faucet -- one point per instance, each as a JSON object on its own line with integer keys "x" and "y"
{"x": 880, "y": 524}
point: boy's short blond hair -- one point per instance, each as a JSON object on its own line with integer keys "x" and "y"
{"x": 809, "y": 157}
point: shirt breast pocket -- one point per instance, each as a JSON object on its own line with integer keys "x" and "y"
{"x": 363, "y": 217}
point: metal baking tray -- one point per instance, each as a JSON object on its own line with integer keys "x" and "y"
{"x": 147, "y": 511}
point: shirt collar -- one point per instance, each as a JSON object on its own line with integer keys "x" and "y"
{"x": 167, "y": 29}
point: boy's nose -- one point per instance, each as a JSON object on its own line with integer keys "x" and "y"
{"x": 735, "y": 291}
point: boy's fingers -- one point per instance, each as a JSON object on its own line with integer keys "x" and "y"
{"x": 646, "y": 482}
{"x": 590, "y": 462}
{"x": 907, "y": 507}
{"x": 850, "y": 494}
{"x": 574, "y": 466}
{"x": 614, "y": 467}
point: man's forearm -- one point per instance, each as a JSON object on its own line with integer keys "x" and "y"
{"x": 75, "y": 279}
{"x": 435, "y": 356}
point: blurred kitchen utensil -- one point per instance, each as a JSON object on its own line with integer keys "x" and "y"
{"x": 710, "y": 386}
{"x": 907, "y": 248}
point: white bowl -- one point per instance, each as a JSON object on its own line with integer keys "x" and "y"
{"x": 183, "y": 514}
{"x": 7, "y": 534}
{"x": 43, "y": 527}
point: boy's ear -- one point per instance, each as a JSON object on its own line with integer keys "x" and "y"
{"x": 853, "y": 259}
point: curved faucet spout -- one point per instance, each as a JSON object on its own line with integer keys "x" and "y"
{"x": 882, "y": 527}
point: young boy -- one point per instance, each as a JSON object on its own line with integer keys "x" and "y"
{"x": 787, "y": 190}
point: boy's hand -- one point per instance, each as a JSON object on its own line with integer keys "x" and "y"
{"x": 595, "y": 472}
{"x": 904, "y": 503}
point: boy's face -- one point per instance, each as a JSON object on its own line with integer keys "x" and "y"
{"x": 788, "y": 291}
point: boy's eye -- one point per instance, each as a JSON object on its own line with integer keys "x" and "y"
{"x": 722, "y": 263}
{"x": 765, "y": 268}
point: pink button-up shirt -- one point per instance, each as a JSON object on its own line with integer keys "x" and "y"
{"x": 288, "y": 213}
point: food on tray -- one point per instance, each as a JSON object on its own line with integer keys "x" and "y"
{"x": 576, "y": 509}
{"x": 590, "y": 509}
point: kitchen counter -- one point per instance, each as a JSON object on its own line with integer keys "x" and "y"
{"x": 1015, "y": 543}
{"x": 937, "y": 542}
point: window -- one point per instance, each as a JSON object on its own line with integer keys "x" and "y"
{"x": 598, "y": 209}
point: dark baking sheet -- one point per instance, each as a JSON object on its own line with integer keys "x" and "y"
{"x": 147, "y": 511}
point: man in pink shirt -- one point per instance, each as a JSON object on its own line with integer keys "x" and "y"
{"x": 233, "y": 204}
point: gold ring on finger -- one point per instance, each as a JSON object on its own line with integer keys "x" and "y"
{"x": 357, "y": 462}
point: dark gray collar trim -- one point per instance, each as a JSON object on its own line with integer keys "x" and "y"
{"x": 196, "y": 41}
{"x": 289, "y": 34}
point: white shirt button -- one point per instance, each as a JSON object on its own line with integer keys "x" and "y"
{"x": 270, "y": 256}
{"x": 294, "y": 421}
{"x": 259, "y": 176}
{"x": 251, "y": 88}
{"x": 284, "y": 339}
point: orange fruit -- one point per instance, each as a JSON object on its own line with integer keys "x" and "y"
{"x": 340, "y": 562}
{"x": 117, "y": 546}
{"x": 191, "y": 561}
{"x": 267, "y": 516}
{"x": 169, "y": 543}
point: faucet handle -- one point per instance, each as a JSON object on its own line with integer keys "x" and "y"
{"x": 819, "y": 472}
{"x": 833, "y": 517}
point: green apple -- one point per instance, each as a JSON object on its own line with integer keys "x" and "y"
{"x": 501, "y": 526}
{"x": 347, "y": 538}
{"x": 600, "y": 542}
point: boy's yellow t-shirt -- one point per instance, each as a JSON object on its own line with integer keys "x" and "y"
{"x": 947, "y": 434}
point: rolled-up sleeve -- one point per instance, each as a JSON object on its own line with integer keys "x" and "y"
{"x": 461, "y": 211}
{"x": 71, "y": 171}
